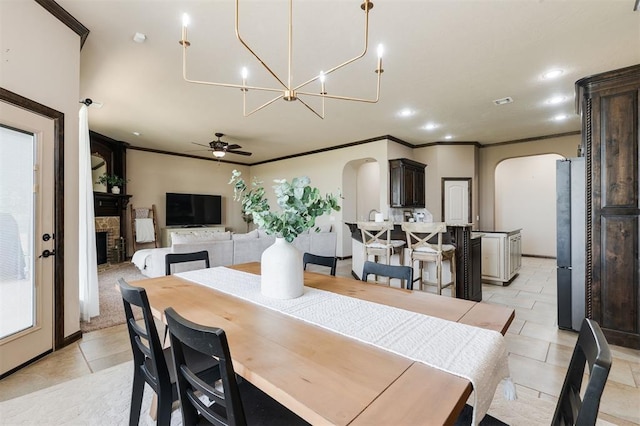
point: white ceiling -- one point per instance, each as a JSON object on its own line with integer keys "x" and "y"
{"x": 446, "y": 60}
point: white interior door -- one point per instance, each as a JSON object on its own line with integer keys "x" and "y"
{"x": 456, "y": 200}
{"x": 26, "y": 215}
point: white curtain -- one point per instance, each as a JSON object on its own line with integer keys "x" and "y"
{"x": 87, "y": 262}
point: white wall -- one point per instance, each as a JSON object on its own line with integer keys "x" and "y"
{"x": 526, "y": 198}
{"x": 326, "y": 171}
{"x": 152, "y": 175}
{"x": 339, "y": 171}
{"x": 491, "y": 156}
{"x": 447, "y": 161}
{"x": 40, "y": 60}
{"x": 368, "y": 183}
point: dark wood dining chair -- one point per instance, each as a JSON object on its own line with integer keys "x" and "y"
{"x": 151, "y": 362}
{"x": 238, "y": 402}
{"x": 314, "y": 259}
{"x": 591, "y": 350}
{"x": 173, "y": 258}
{"x": 391, "y": 271}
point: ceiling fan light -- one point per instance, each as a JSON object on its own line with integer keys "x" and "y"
{"x": 218, "y": 154}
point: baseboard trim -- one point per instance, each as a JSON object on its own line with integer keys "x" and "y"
{"x": 24, "y": 364}
{"x": 71, "y": 338}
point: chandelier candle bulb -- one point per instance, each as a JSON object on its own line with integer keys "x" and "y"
{"x": 245, "y": 74}
{"x": 185, "y": 24}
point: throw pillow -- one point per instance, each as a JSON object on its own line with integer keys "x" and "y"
{"x": 199, "y": 236}
{"x": 248, "y": 236}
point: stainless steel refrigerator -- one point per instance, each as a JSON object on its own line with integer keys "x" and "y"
{"x": 571, "y": 250}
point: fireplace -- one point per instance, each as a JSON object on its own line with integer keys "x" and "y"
{"x": 101, "y": 247}
{"x": 108, "y": 227}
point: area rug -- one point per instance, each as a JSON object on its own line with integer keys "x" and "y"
{"x": 99, "y": 399}
{"x": 103, "y": 398}
{"x": 111, "y": 308}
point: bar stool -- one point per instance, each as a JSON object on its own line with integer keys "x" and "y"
{"x": 421, "y": 250}
{"x": 376, "y": 238}
{"x": 377, "y": 242}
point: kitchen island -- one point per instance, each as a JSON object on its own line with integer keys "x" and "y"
{"x": 501, "y": 256}
{"x": 468, "y": 257}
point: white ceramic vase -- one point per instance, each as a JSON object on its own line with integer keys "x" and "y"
{"x": 281, "y": 271}
{"x": 115, "y": 189}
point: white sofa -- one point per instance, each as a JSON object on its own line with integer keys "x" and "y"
{"x": 226, "y": 248}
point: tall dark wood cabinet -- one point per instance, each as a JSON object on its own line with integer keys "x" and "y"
{"x": 609, "y": 104}
{"x": 406, "y": 181}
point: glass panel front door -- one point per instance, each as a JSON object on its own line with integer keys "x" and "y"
{"x": 17, "y": 295}
{"x": 27, "y": 143}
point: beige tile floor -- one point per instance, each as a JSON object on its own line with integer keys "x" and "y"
{"x": 539, "y": 352}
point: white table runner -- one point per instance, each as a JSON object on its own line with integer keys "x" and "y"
{"x": 482, "y": 359}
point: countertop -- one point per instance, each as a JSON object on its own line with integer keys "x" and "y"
{"x": 513, "y": 232}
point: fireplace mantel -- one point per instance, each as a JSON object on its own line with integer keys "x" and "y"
{"x": 106, "y": 204}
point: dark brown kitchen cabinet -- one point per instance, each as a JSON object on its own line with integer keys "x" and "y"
{"x": 609, "y": 103}
{"x": 406, "y": 181}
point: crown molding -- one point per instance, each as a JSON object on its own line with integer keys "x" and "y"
{"x": 66, "y": 18}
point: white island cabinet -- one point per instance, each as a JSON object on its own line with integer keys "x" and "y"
{"x": 501, "y": 256}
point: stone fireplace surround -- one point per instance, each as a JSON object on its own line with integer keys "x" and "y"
{"x": 110, "y": 225}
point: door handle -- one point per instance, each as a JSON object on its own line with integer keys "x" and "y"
{"x": 47, "y": 253}
{"x": 46, "y": 237}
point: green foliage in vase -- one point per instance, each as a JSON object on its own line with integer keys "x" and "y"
{"x": 113, "y": 180}
{"x": 299, "y": 203}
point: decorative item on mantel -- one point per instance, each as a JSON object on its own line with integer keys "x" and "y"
{"x": 300, "y": 204}
{"x": 114, "y": 180}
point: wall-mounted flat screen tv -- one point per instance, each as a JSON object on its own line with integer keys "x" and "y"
{"x": 193, "y": 209}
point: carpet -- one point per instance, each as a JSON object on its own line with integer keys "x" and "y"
{"x": 111, "y": 308}
{"x": 99, "y": 399}
{"x": 103, "y": 398}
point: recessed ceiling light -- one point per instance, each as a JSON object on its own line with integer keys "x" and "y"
{"x": 556, "y": 100}
{"x": 503, "y": 101}
{"x": 406, "y": 112}
{"x": 137, "y": 133}
{"x": 139, "y": 37}
{"x": 552, "y": 74}
{"x": 430, "y": 126}
{"x": 448, "y": 137}
{"x": 560, "y": 117}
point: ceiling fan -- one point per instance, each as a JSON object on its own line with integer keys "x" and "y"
{"x": 220, "y": 148}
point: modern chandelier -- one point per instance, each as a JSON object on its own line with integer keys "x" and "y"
{"x": 287, "y": 90}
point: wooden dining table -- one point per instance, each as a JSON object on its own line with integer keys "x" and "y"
{"x": 323, "y": 376}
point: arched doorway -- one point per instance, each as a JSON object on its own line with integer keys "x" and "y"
{"x": 361, "y": 192}
{"x": 525, "y": 189}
